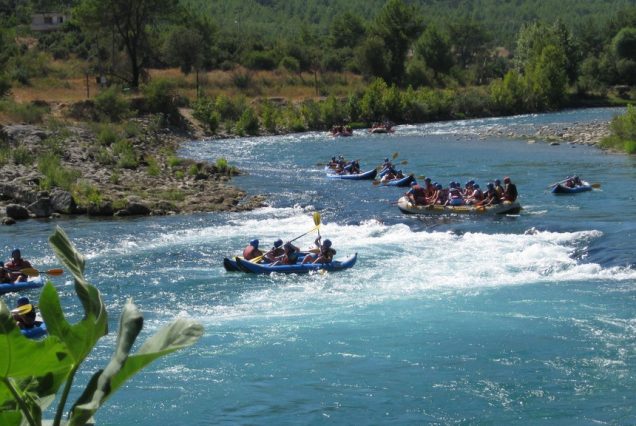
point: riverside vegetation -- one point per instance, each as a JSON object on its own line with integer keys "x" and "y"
{"x": 407, "y": 63}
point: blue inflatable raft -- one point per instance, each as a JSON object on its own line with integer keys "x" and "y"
{"x": 368, "y": 175}
{"x": 298, "y": 268}
{"x": 562, "y": 189}
{"x": 34, "y": 282}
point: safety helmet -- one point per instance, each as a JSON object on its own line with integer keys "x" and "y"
{"x": 254, "y": 243}
{"x": 278, "y": 243}
{"x": 327, "y": 243}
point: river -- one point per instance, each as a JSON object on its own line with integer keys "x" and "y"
{"x": 520, "y": 319}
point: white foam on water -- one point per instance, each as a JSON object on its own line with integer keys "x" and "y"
{"x": 395, "y": 262}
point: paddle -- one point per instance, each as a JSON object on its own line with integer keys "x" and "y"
{"x": 32, "y": 272}
{"x": 557, "y": 183}
{"x": 316, "y": 222}
{"x": 595, "y": 185}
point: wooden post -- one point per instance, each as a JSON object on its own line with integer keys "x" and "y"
{"x": 88, "y": 88}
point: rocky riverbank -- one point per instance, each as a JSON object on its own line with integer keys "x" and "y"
{"x": 588, "y": 133}
{"x": 153, "y": 180}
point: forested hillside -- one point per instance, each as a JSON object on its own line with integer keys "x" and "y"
{"x": 502, "y": 18}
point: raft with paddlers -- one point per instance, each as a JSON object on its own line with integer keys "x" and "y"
{"x": 506, "y": 207}
{"x": 401, "y": 181}
{"x": 233, "y": 265}
{"x": 298, "y": 267}
{"x": 572, "y": 185}
{"x": 32, "y": 282}
{"x": 368, "y": 175}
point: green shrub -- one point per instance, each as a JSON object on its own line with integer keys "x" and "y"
{"x": 104, "y": 157}
{"x": 131, "y": 129}
{"x": 172, "y": 195}
{"x": 248, "y": 123}
{"x": 193, "y": 170}
{"x": 56, "y": 175}
{"x": 107, "y": 136}
{"x": 179, "y": 174}
{"x": 241, "y": 80}
{"x": 33, "y": 379}
{"x": 85, "y": 193}
{"x": 174, "y": 161}
{"x": 160, "y": 97}
{"x": 153, "y": 166}
{"x": 260, "y": 60}
{"x": 127, "y": 158}
{"x": 22, "y": 155}
{"x": 29, "y": 113}
{"x": 111, "y": 104}
{"x": 622, "y": 132}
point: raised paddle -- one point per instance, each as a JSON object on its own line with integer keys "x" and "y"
{"x": 316, "y": 222}
{"x": 32, "y": 272}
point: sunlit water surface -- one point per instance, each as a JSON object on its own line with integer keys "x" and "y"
{"x": 447, "y": 320}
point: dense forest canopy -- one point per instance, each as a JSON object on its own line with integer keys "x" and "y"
{"x": 527, "y": 55}
{"x": 502, "y": 18}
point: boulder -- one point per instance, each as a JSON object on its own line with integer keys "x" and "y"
{"x": 134, "y": 208}
{"x": 17, "y": 212}
{"x": 104, "y": 208}
{"x": 8, "y": 221}
{"x": 41, "y": 208}
{"x": 63, "y": 202}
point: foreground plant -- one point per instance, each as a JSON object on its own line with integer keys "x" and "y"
{"x": 32, "y": 372}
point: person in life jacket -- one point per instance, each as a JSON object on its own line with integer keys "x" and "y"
{"x": 15, "y": 266}
{"x": 325, "y": 253}
{"x": 24, "y": 314}
{"x": 289, "y": 256}
{"x": 251, "y": 251}
{"x": 499, "y": 189}
{"x": 477, "y": 195}
{"x": 454, "y": 197}
{"x": 276, "y": 251}
{"x": 510, "y": 190}
{"x": 417, "y": 194}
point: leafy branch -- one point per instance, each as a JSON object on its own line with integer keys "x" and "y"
{"x": 32, "y": 372}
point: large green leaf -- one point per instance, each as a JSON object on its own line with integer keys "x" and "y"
{"x": 99, "y": 388}
{"x": 81, "y": 337}
{"x": 179, "y": 334}
{"x": 21, "y": 357}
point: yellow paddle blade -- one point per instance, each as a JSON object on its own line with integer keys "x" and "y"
{"x": 316, "y": 218}
{"x": 32, "y": 272}
{"x": 395, "y": 155}
{"x": 55, "y": 272}
{"x": 596, "y": 185}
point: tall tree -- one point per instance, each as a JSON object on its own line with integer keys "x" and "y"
{"x": 130, "y": 21}
{"x": 398, "y": 25}
{"x": 534, "y": 38}
{"x": 434, "y": 48}
{"x": 469, "y": 41}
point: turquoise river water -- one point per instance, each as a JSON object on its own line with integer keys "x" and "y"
{"x": 524, "y": 319}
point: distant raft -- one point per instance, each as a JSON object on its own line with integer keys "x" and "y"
{"x": 298, "y": 268}
{"x": 561, "y": 188}
{"x": 404, "y": 181}
{"x": 368, "y": 175}
{"x": 34, "y": 282}
{"x": 406, "y": 206}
